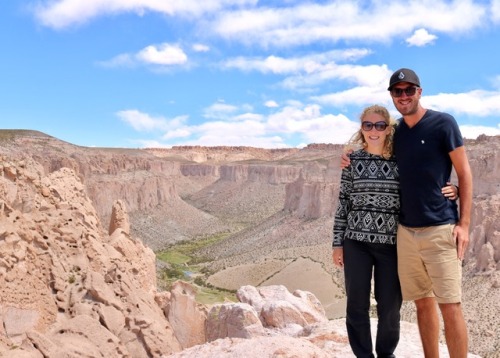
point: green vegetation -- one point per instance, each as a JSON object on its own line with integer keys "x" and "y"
{"x": 72, "y": 277}
{"x": 184, "y": 264}
{"x": 10, "y": 134}
{"x": 208, "y": 295}
{"x": 173, "y": 257}
{"x": 7, "y": 135}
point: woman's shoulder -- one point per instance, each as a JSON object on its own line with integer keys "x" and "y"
{"x": 362, "y": 154}
{"x": 359, "y": 153}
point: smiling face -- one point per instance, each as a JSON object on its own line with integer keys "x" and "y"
{"x": 374, "y": 139}
{"x": 376, "y": 131}
{"x": 405, "y": 104}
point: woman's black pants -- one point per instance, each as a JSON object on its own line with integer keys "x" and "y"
{"x": 362, "y": 261}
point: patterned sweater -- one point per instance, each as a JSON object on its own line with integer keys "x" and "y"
{"x": 368, "y": 200}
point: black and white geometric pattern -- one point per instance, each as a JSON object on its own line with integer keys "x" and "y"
{"x": 368, "y": 200}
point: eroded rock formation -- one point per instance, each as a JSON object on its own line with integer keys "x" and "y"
{"x": 69, "y": 288}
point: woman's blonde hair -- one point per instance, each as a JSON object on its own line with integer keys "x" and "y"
{"x": 358, "y": 140}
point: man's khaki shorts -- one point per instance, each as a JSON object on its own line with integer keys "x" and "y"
{"x": 428, "y": 264}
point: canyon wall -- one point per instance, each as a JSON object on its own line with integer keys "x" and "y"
{"x": 237, "y": 184}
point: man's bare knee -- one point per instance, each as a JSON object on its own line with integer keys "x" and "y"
{"x": 425, "y": 303}
{"x": 451, "y": 310}
{"x": 450, "y": 307}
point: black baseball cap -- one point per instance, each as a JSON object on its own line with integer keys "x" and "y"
{"x": 404, "y": 75}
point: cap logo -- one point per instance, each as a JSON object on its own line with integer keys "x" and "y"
{"x": 401, "y": 75}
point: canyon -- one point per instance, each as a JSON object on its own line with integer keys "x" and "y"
{"x": 80, "y": 226}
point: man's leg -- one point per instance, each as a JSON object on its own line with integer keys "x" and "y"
{"x": 445, "y": 270}
{"x": 455, "y": 329}
{"x": 428, "y": 326}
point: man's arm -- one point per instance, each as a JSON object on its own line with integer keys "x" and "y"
{"x": 464, "y": 175}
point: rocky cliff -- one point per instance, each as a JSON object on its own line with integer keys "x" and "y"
{"x": 68, "y": 287}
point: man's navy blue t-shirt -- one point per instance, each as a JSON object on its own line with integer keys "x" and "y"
{"x": 422, "y": 155}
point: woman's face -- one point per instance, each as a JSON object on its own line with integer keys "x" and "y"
{"x": 375, "y": 129}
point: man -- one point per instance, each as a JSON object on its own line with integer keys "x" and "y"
{"x": 431, "y": 238}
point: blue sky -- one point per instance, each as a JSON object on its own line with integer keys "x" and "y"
{"x": 271, "y": 74}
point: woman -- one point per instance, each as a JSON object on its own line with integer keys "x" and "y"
{"x": 364, "y": 232}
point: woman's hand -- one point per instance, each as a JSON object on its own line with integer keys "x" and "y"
{"x": 450, "y": 191}
{"x": 338, "y": 257}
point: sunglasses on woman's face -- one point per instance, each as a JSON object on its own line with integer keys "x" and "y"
{"x": 380, "y": 126}
{"x": 409, "y": 91}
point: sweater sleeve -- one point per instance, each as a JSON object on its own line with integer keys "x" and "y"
{"x": 343, "y": 208}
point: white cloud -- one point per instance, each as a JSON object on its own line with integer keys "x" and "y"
{"x": 246, "y": 128}
{"x": 250, "y": 132}
{"x": 359, "y": 96}
{"x": 201, "y": 48}
{"x": 146, "y": 143}
{"x": 271, "y": 104}
{"x": 303, "y": 64}
{"x": 164, "y": 54}
{"x": 294, "y": 25}
{"x": 143, "y": 122}
{"x": 220, "y": 110}
{"x": 472, "y": 132}
{"x": 495, "y": 82}
{"x": 247, "y": 21}
{"x": 184, "y": 132}
{"x": 331, "y": 129}
{"x": 293, "y": 119}
{"x": 153, "y": 55}
{"x": 122, "y": 60}
{"x": 495, "y": 10}
{"x": 371, "y": 76}
{"x": 311, "y": 125}
{"x": 311, "y": 70}
{"x": 63, "y": 13}
{"x": 339, "y": 20}
{"x": 305, "y": 122}
{"x": 478, "y": 103}
{"x": 239, "y": 140}
{"x": 249, "y": 117}
{"x": 420, "y": 38}
{"x": 271, "y": 64}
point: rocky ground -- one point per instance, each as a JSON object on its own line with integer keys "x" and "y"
{"x": 303, "y": 262}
